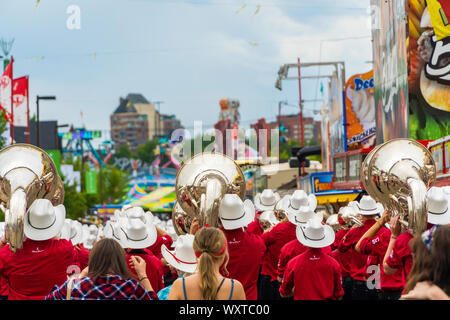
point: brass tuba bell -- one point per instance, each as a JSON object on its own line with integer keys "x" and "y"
{"x": 27, "y": 173}
{"x": 201, "y": 184}
{"x": 398, "y": 174}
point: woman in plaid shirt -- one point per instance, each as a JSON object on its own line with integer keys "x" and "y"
{"x": 107, "y": 277}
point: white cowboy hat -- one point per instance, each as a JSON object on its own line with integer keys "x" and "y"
{"x": 367, "y": 206}
{"x": 138, "y": 235}
{"x": 93, "y": 230}
{"x": 2, "y": 229}
{"x": 437, "y": 201}
{"x": 303, "y": 215}
{"x": 72, "y": 231}
{"x": 294, "y": 203}
{"x": 234, "y": 213}
{"x": 332, "y": 220}
{"x": 132, "y": 212}
{"x": 269, "y": 216}
{"x": 112, "y": 230}
{"x": 183, "y": 257}
{"x": 43, "y": 221}
{"x": 314, "y": 234}
{"x": 266, "y": 200}
{"x": 89, "y": 242}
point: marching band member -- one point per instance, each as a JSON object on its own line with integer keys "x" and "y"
{"x": 368, "y": 209}
{"x": 375, "y": 242}
{"x": 274, "y": 239}
{"x": 245, "y": 250}
{"x": 313, "y": 275}
{"x": 295, "y": 247}
{"x": 137, "y": 236}
{"x": 44, "y": 259}
{"x": 264, "y": 201}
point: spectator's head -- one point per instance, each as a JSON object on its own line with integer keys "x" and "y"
{"x": 431, "y": 259}
{"x": 210, "y": 246}
{"x": 108, "y": 257}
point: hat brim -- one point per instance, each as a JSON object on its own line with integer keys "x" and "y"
{"x": 378, "y": 210}
{"x": 245, "y": 220}
{"x": 328, "y": 239}
{"x": 439, "y": 219}
{"x": 78, "y": 237}
{"x": 189, "y": 268}
{"x": 261, "y": 207}
{"x": 48, "y": 233}
{"x": 141, "y": 244}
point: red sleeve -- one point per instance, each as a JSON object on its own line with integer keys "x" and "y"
{"x": 395, "y": 258}
{"x": 4, "y": 254}
{"x": 283, "y": 260}
{"x": 288, "y": 280}
{"x": 254, "y": 228}
{"x": 338, "y": 290}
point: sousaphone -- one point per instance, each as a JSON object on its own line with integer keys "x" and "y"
{"x": 200, "y": 185}
{"x": 398, "y": 174}
{"x": 27, "y": 173}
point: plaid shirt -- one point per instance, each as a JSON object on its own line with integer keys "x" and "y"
{"x": 104, "y": 288}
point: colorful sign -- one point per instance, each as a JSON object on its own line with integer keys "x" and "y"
{"x": 91, "y": 182}
{"x": 428, "y": 48}
{"x": 390, "y": 69}
{"x": 360, "y": 111}
{"x": 77, "y": 135}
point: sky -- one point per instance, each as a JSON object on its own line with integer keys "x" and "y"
{"x": 187, "y": 53}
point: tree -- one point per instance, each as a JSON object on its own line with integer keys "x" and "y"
{"x": 146, "y": 151}
{"x": 124, "y": 152}
{"x": 74, "y": 201}
{"x": 2, "y": 129}
{"x": 115, "y": 182}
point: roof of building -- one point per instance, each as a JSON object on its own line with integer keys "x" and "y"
{"x": 127, "y": 105}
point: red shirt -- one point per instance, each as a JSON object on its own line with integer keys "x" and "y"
{"x": 246, "y": 253}
{"x": 274, "y": 240}
{"x": 255, "y": 228}
{"x": 36, "y": 268}
{"x": 343, "y": 258}
{"x": 357, "y": 262}
{"x": 289, "y": 251}
{"x": 156, "y": 249}
{"x": 401, "y": 256}
{"x": 338, "y": 237}
{"x": 154, "y": 267}
{"x": 314, "y": 275}
{"x": 160, "y": 240}
{"x": 82, "y": 256}
{"x": 377, "y": 246}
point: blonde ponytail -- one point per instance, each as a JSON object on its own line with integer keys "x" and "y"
{"x": 210, "y": 247}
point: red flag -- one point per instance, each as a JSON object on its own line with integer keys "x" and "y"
{"x": 20, "y": 101}
{"x": 6, "y": 91}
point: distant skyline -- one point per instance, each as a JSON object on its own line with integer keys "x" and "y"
{"x": 189, "y": 54}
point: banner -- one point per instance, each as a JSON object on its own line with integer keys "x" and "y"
{"x": 56, "y": 157}
{"x": 428, "y": 48}
{"x": 20, "y": 102}
{"x": 360, "y": 111}
{"x": 390, "y": 69}
{"x": 6, "y": 91}
{"x": 91, "y": 182}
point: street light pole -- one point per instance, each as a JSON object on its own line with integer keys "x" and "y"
{"x": 302, "y": 142}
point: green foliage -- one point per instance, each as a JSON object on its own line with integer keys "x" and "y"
{"x": 115, "y": 183}
{"x": 74, "y": 201}
{"x": 2, "y": 129}
{"x": 2, "y": 216}
{"x": 124, "y": 152}
{"x": 146, "y": 151}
